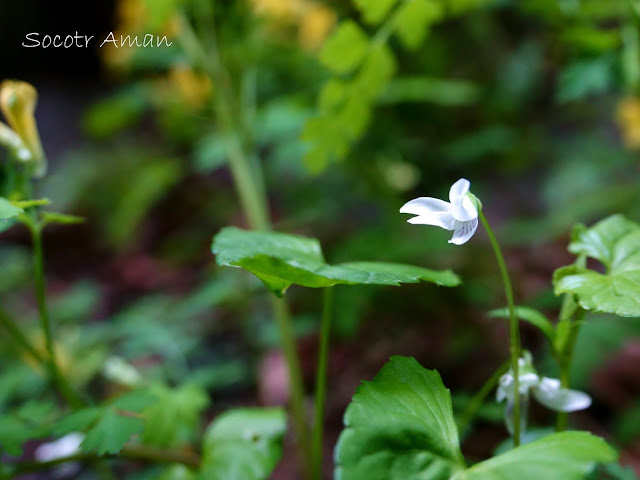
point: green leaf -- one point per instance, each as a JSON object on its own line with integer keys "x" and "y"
{"x": 530, "y": 315}
{"x": 398, "y": 426}
{"x": 134, "y": 401}
{"x": 78, "y": 421}
{"x": 561, "y": 456}
{"x": 31, "y": 421}
{"x": 111, "y": 432}
{"x": 140, "y": 189}
{"x": 8, "y": 209}
{"x": 108, "y": 427}
{"x": 585, "y": 77}
{"x": 376, "y": 72}
{"x": 174, "y": 416}
{"x": 14, "y": 435}
{"x": 211, "y": 152}
{"x": 413, "y": 21}
{"x": 345, "y": 48}
{"x": 374, "y": 11}
{"x": 615, "y": 242}
{"x": 111, "y": 115}
{"x": 280, "y": 260}
{"x": 243, "y": 444}
{"x": 177, "y": 472}
{"x": 333, "y": 94}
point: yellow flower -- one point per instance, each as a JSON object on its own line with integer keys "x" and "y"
{"x": 194, "y": 89}
{"x": 628, "y": 116}
{"x": 283, "y": 10}
{"x": 132, "y": 15}
{"x": 315, "y": 25}
{"x": 18, "y": 103}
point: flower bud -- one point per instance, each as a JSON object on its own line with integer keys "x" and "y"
{"x": 18, "y": 103}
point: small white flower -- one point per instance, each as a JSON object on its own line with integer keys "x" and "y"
{"x": 63, "y": 447}
{"x": 545, "y": 390}
{"x": 459, "y": 214}
{"x": 549, "y": 393}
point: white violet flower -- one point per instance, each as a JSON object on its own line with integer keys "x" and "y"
{"x": 63, "y": 447}
{"x": 545, "y": 390}
{"x": 459, "y": 214}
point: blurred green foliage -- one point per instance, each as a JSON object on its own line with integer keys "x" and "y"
{"x": 531, "y": 100}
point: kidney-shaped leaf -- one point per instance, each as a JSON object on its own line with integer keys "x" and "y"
{"x": 398, "y": 426}
{"x": 243, "y": 444}
{"x": 615, "y": 242}
{"x": 280, "y": 260}
{"x": 561, "y": 456}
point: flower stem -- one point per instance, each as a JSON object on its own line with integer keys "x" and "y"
{"x": 476, "y": 401}
{"x": 248, "y": 182}
{"x": 59, "y": 380}
{"x": 514, "y": 331}
{"x": 321, "y": 383}
{"x": 288, "y": 344}
{"x": 564, "y": 361}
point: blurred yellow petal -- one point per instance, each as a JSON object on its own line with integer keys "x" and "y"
{"x": 628, "y": 117}
{"x": 132, "y": 15}
{"x": 282, "y": 10}
{"x": 315, "y": 25}
{"x": 172, "y": 27}
{"x": 18, "y": 103}
{"x": 194, "y": 89}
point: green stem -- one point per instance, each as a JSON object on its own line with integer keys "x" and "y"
{"x": 133, "y": 452}
{"x": 20, "y": 338}
{"x": 564, "y": 361}
{"x": 59, "y": 380}
{"x": 478, "y": 399}
{"x": 514, "y": 331}
{"x": 321, "y": 383}
{"x": 254, "y": 203}
{"x": 288, "y": 343}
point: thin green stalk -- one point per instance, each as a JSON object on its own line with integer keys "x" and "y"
{"x": 20, "y": 338}
{"x": 321, "y": 383}
{"x": 564, "y": 360}
{"x": 253, "y": 199}
{"x": 514, "y": 330}
{"x": 40, "y": 287}
{"x": 478, "y": 399}
{"x": 133, "y": 452}
{"x": 254, "y": 204}
{"x": 288, "y": 343}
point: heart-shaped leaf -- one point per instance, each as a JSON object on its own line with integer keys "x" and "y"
{"x": 243, "y": 444}
{"x": 615, "y": 242}
{"x": 400, "y": 425}
{"x": 280, "y": 260}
